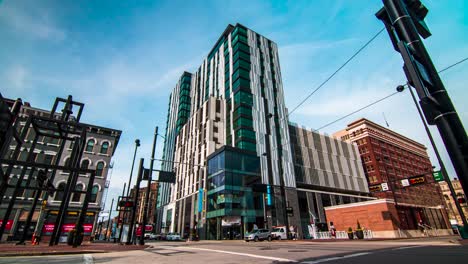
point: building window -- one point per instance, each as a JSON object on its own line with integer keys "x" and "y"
{"x": 104, "y": 148}
{"x": 99, "y": 168}
{"x": 85, "y": 164}
{"x": 77, "y": 196}
{"x": 60, "y": 192}
{"x": 48, "y": 159}
{"x": 94, "y": 193}
{"x": 90, "y": 145}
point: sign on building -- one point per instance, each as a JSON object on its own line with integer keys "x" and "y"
{"x": 385, "y": 186}
{"x": 438, "y": 176}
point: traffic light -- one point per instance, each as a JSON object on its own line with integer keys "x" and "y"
{"x": 126, "y": 204}
{"x": 418, "y": 12}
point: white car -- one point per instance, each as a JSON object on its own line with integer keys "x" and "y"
{"x": 173, "y": 237}
{"x": 279, "y": 232}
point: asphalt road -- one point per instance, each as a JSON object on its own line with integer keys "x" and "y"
{"x": 211, "y": 252}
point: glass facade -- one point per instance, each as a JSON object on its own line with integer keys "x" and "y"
{"x": 231, "y": 176}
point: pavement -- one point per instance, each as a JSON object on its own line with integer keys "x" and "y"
{"x": 11, "y": 249}
{"x": 422, "y": 250}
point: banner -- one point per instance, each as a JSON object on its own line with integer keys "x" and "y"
{"x": 48, "y": 228}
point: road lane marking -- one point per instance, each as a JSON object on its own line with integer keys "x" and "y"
{"x": 336, "y": 258}
{"x": 88, "y": 259}
{"x": 240, "y": 254}
{"x": 408, "y": 247}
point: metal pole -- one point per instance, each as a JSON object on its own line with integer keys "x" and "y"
{"x": 439, "y": 159}
{"x": 439, "y": 108}
{"x": 12, "y": 201}
{"x": 123, "y": 217}
{"x": 108, "y": 220}
{"x": 135, "y": 200}
{"x": 148, "y": 190}
{"x": 137, "y": 144}
{"x": 79, "y": 223}
{"x": 74, "y": 163}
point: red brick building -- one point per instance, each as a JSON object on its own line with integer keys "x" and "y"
{"x": 141, "y": 202}
{"x": 377, "y": 216}
{"x": 388, "y": 158}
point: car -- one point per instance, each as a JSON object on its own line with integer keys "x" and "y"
{"x": 147, "y": 236}
{"x": 259, "y": 234}
{"x": 173, "y": 237}
{"x": 153, "y": 237}
{"x": 279, "y": 232}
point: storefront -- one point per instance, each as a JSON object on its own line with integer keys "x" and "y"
{"x": 233, "y": 206}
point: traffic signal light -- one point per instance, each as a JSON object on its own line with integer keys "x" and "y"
{"x": 126, "y": 204}
{"x": 418, "y": 12}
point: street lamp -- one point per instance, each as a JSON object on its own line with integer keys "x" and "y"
{"x": 137, "y": 144}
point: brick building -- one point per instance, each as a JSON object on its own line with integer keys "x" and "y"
{"x": 388, "y": 159}
{"x": 454, "y": 216}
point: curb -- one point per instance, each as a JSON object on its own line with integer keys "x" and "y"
{"x": 32, "y": 254}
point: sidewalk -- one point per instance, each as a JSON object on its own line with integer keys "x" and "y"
{"x": 10, "y": 249}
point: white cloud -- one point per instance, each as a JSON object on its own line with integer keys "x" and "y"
{"x": 16, "y": 77}
{"x": 37, "y": 24}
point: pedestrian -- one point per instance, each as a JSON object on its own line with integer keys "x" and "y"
{"x": 332, "y": 230}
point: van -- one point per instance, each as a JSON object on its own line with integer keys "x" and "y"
{"x": 279, "y": 232}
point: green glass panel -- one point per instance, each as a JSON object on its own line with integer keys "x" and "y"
{"x": 241, "y": 46}
{"x": 241, "y": 55}
{"x": 244, "y": 133}
{"x": 246, "y": 145}
{"x": 240, "y": 72}
{"x": 241, "y": 64}
{"x": 243, "y": 97}
{"x": 243, "y": 122}
{"x": 241, "y": 84}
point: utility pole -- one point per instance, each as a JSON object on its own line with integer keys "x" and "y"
{"x": 135, "y": 200}
{"x": 148, "y": 190}
{"x": 108, "y": 219}
{"x": 404, "y": 21}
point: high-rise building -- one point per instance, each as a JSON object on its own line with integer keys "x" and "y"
{"x": 228, "y": 142}
{"x": 398, "y": 168}
{"x": 236, "y": 100}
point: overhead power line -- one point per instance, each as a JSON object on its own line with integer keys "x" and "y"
{"x": 339, "y": 69}
{"x": 455, "y": 64}
{"x": 358, "y": 110}
{"x": 384, "y": 98}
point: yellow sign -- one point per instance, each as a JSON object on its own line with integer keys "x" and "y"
{"x": 90, "y": 213}
{"x": 53, "y": 212}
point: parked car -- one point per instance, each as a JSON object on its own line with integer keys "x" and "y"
{"x": 259, "y": 234}
{"x": 279, "y": 232}
{"x": 147, "y": 235}
{"x": 153, "y": 236}
{"x": 173, "y": 237}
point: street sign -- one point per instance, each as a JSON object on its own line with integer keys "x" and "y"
{"x": 166, "y": 176}
{"x": 405, "y": 183}
{"x": 385, "y": 186}
{"x": 438, "y": 176}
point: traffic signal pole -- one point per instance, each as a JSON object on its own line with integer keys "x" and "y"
{"x": 422, "y": 74}
{"x": 148, "y": 190}
{"x": 131, "y": 233}
{"x": 441, "y": 163}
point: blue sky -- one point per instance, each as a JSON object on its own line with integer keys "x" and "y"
{"x": 122, "y": 58}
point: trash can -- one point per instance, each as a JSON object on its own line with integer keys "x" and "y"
{"x": 463, "y": 231}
